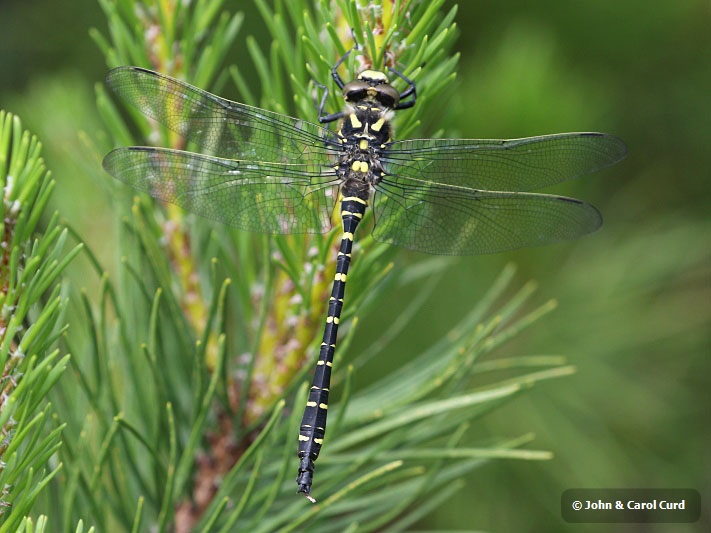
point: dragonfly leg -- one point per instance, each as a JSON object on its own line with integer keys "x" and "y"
{"x": 334, "y": 71}
{"x": 322, "y": 117}
{"x": 410, "y": 91}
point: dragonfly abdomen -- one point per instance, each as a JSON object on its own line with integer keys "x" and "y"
{"x": 313, "y": 423}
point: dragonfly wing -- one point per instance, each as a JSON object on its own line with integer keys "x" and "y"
{"x": 513, "y": 165}
{"x": 448, "y": 220}
{"x": 219, "y": 126}
{"x": 253, "y": 196}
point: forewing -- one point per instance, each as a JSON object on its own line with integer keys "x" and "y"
{"x": 218, "y": 126}
{"x": 449, "y": 220}
{"x": 513, "y": 165}
{"x": 253, "y": 196}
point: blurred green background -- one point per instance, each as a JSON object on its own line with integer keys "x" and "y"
{"x": 634, "y": 299}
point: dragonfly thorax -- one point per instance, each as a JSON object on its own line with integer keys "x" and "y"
{"x": 366, "y": 125}
{"x": 359, "y": 171}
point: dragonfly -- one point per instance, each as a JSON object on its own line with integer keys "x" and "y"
{"x": 266, "y": 172}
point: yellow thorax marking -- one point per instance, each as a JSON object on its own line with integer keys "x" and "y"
{"x": 355, "y": 122}
{"x": 378, "y": 125}
{"x": 360, "y": 166}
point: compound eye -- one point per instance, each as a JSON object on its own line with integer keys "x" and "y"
{"x": 388, "y": 96}
{"x": 355, "y": 91}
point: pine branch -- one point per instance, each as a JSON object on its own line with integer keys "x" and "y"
{"x": 31, "y": 319}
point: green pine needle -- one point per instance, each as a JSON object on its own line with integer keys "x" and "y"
{"x": 31, "y": 320}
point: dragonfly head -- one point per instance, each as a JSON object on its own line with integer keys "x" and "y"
{"x": 371, "y": 86}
